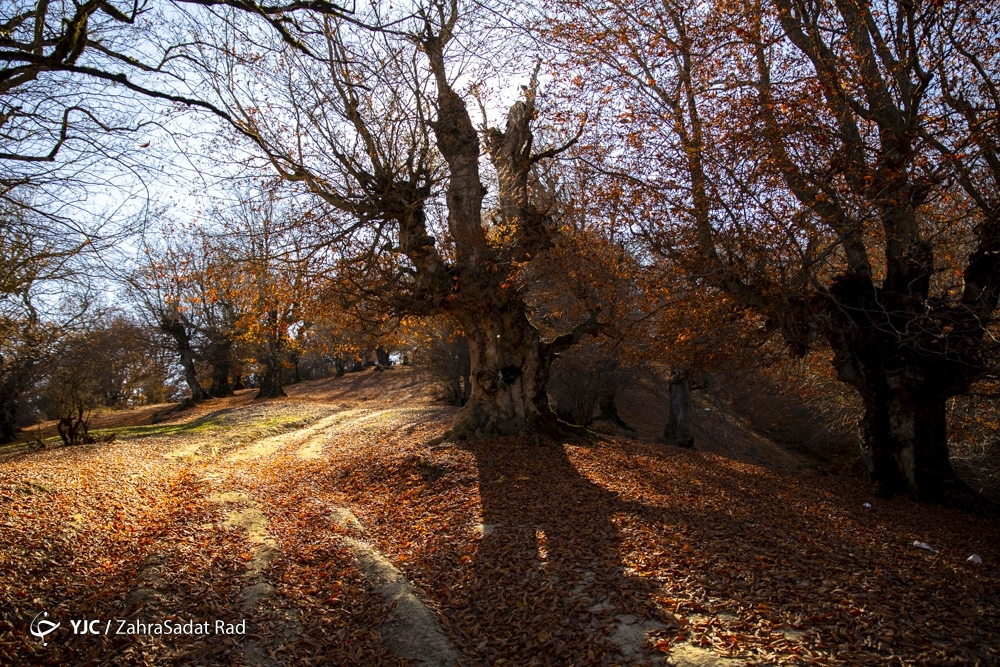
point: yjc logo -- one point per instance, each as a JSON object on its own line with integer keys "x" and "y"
{"x": 83, "y": 627}
{"x": 40, "y": 628}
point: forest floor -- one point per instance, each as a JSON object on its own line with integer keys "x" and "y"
{"x": 327, "y": 526}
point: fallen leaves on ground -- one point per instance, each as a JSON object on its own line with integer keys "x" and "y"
{"x": 530, "y": 553}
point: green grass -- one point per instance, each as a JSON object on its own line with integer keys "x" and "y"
{"x": 279, "y": 421}
{"x": 204, "y": 426}
{"x": 157, "y": 430}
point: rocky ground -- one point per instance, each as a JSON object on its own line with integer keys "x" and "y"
{"x": 327, "y": 526}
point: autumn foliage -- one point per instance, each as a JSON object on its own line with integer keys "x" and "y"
{"x": 584, "y": 332}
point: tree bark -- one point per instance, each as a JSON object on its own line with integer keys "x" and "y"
{"x": 904, "y": 433}
{"x": 198, "y": 393}
{"x": 905, "y": 445}
{"x": 270, "y": 383}
{"x": 508, "y": 376}
{"x": 220, "y": 357}
{"x": 182, "y": 343}
{"x": 509, "y": 370}
{"x": 609, "y": 410}
{"x": 678, "y": 429}
{"x": 9, "y": 394}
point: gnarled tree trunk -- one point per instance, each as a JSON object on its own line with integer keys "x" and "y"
{"x": 182, "y": 344}
{"x": 509, "y": 371}
{"x": 220, "y": 357}
{"x": 10, "y": 380}
{"x": 510, "y": 367}
{"x": 270, "y": 383}
{"x": 904, "y": 433}
{"x": 678, "y": 429}
{"x": 509, "y": 362}
{"x": 188, "y": 358}
{"x": 905, "y": 443}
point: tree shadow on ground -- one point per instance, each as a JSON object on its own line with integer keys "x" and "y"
{"x": 774, "y": 553}
{"x": 548, "y": 577}
{"x": 759, "y": 553}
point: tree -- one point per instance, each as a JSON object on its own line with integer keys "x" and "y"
{"x": 159, "y": 287}
{"x": 271, "y": 293}
{"x": 376, "y": 128}
{"x": 828, "y": 165}
{"x": 59, "y": 59}
{"x": 106, "y": 361}
{"x": 32, "y": 260}
{"x": 123, "y": 365}
{"x": 211, "y": 303}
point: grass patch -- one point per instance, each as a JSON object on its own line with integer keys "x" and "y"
{"x": 197, "y": 427}
{"x": 281, "y": 422}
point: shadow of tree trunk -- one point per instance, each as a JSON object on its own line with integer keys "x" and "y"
{"x": 549, "y": 576}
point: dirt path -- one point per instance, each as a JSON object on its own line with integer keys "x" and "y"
{"x": 411, "y": 630}
{"x": 205, "y": 544}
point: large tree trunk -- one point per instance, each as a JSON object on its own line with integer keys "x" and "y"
{"x": 14, "y": 375}
{"x": 9, "y": 392}
{"x": 678, "y": 429}
{"x": 176, "y": 330}
{"x": 220, "y": 357}
{"x": 904, "y": 433}
{"x": 270, "y": 384}
{"x": 198, "y": 392}
{"x": 508, "y": 372}
{"x": 904, "y": 438}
